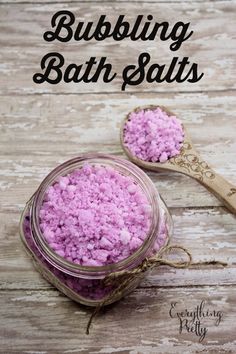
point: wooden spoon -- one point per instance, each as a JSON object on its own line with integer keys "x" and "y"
{"x": 189, "y": 163}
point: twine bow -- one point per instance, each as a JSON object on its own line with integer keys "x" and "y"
{"x": 123, "y": 278}
{"x": 120, "y": 280}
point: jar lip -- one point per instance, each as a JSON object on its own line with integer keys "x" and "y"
{"x": 103, "y": 159}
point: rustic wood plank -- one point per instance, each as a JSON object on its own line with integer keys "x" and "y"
{"x": 12, "y": 2}
{"x": 25, "y": 175}
{"x": 212, "y": 46}
{"x": 46, "y": 322}
{"x": 194, "y": 229}
{"x": 38, "y": 132}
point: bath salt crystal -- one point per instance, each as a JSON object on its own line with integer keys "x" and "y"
{"x": 71, "y": 188}
{"x": 60, "y": 253}
{"x": 49, "y": 235}
{"x": 95, "y": 216}
{"x": 153, "y": 135}
{"x": 125, "y": 237}
{"x": 105, "y": 243}
{"x": 63, "y": 182}
{"x": 131, "y": 189}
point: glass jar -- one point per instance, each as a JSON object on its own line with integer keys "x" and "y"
{"x": 85, "y": 284}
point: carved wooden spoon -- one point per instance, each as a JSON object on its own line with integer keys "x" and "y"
{"x": 189, "y": 163}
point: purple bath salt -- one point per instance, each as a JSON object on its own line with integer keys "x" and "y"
{"x": 153, "y": 135}
{"x": 91, "y": 289}
{"x": 95, "y": 216}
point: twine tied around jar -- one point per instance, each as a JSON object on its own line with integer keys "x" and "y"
{"x": 120, "y": 280}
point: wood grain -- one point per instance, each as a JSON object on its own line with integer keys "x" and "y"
{"x": 38, "y": 133}
{"x": 212, "y": 45}
{"x": 94, "y": 1}
{"x": 44, "y": 125}
{"x": 194, "y": 228}
{"x": 188, "y": 162}
{"x": 46, "y": 322}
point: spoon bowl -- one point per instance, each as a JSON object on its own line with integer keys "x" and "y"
{"x": 187, "y": 162}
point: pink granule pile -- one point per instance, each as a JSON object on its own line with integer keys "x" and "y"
{"x": 95, "y": 216}
{"x": 152, "y": 135}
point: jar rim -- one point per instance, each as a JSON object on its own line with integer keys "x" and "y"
{"x": 138, "y": 176}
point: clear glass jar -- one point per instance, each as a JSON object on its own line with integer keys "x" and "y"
{"x": 84, "y": 284}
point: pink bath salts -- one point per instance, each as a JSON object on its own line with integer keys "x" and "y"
{"x": 152, "y": 135}
{"x": 95, "y": 216}
{"x": 93, "y": 289}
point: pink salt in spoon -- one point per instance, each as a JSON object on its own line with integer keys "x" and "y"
{"x": 188, "y": 162}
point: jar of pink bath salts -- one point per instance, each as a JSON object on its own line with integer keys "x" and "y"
{"x": 82, "y": 280}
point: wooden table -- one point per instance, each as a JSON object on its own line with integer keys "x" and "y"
{"x": 43, "y": 125}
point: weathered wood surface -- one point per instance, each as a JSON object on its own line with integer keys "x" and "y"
{"x": 212, "y": 45}
{"x": 39, "y": 132}
{"x": 194, "y": 228}
{"x": 41, "y": 126}
{"x": 99, "y": 1}
{"x": 44, "y": 321}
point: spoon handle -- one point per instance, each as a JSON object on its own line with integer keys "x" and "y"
{"x": 190, "y": 163}
{"x": 215, "y": 183}
{"x": 222, "y": 189}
